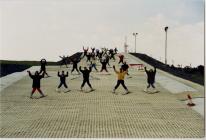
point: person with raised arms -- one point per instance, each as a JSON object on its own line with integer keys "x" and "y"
{"x": 86, "y": 73}
{"x": 62, "y": 78}
{"x": 150, "y": 78}
{"x": 36, "y": 83}
{"x": 43, "y": 67}
{"x": 120, "y": 79}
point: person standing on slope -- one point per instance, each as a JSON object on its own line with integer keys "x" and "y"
{"x": 62, "y": 77}
{"x": 75, "y": 63}
{"x": 43, "y": 67}
{"x": 36, "y": 83}
{"x": 150, "y": 78}
{"x": 86, "y": 73}
{"x": 120, "y": 79}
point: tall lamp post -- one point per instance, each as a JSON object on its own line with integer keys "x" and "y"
{"x": 135, "y": 36}
{"x": 166, "y": 28}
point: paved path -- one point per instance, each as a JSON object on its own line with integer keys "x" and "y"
{"x": 98, "y": 114}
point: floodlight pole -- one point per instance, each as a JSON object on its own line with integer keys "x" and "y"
{"x": 135, "y": 36}
{"x": 166, "y": 28}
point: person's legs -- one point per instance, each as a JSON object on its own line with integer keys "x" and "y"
{"x": 83, "y": 83}
{"x": 122, "y": 82}
{"x": 146, "y": 89}
{"x": 42, "y": 94}
{"x": 60, "y": 85}
{"x": 153, "y": 85}
{"x": 117, "y": 85}
{"x": 77, "y": 69}
{"x": 88, "y": 83}
{"x": 32, "y": 92}
{"x": 40, "y": 71}
{"x": 65, "y": 85}
{"x": 101, "y": 69}
{"x": 45, "y": 73}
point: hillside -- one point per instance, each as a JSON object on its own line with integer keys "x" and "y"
{"x": 192, "y": 74}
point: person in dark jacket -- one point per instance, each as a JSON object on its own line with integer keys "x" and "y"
{"x": 97, "y": 52}
{"x": 86, "y": 73}
{"x": 121, "y": 58}
{"x": 115, "y": 50}
{"x": 150, "y": 77}
{"x": 107, "y": 59}
{"x": 93, "y": 49}
{"x": 104, "y": 65}
{"x": 62, "y": 80}
{"x": 111, "y": 52}
{"x": 89, "y": 55}
{"x": 75, "y": 63}
{"x": 43, "y": 67}
{"x": 36, "y": 83}
{"x": 85, "y": 51}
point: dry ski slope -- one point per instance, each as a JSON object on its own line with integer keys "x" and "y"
{"x": 96, "y": 114}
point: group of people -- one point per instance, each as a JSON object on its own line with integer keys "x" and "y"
{"x": 103, "y": 56}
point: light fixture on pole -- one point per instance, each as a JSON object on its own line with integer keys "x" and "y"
{"x": 166, "y": 28}
{"x": 135, "y": 35}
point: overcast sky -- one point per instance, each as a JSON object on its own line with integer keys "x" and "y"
{"x": 35, "y": 29}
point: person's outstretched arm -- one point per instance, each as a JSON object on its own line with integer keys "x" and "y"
{"x": 60, "y": 56}
{"x": 30, "y": 75}
{"x": 145, "y": 68}
{"x": 58, "y": 74}
{"x": 80, "y": 69}
{"x": 90, "y": 69}
{"x": 67, "y": 74}
{"x": 115, "y": 69}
